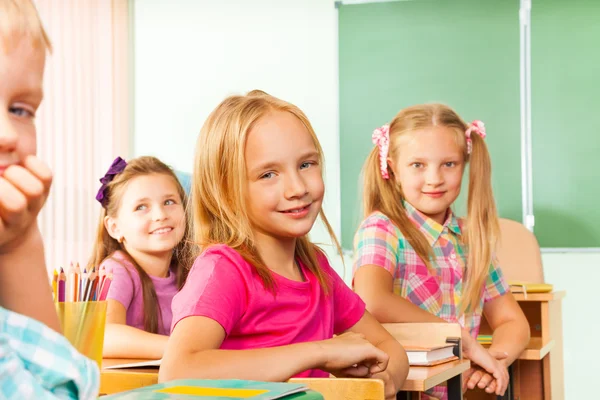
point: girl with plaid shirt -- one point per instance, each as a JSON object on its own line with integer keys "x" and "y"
{"x": 415, "y": 261}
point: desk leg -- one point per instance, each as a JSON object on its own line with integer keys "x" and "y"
{"x": 455, "y": 388}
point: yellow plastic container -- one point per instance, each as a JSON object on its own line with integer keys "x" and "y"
{"x": 83, "y": 325}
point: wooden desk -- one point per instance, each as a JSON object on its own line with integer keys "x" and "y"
{"x": 121, "y": 380}
{"x": 419, "y": 379}
{"x": 538, "y": 373}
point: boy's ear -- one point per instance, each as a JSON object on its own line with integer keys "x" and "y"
{"x": 112, "y": 227}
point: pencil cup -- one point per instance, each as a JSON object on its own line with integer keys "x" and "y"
{"x": 83, "y": 325}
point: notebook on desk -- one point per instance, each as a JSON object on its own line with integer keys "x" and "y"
{"x": 529, "y": 287}
{"x": 216, "y": 390}
{"x": 484, "y": 339}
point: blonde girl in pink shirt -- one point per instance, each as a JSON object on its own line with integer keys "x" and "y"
{"x": 262, "y": 302}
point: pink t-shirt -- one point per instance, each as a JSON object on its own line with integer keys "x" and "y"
{"x": 126, "y": 288}
{"x": 224, "y": 287}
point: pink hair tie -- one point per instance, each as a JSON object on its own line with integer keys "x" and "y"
{"x": 381, "y": 138}
{"x": 479, "y": 128}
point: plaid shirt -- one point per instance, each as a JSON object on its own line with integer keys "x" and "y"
{"x": 38, "y": 363}
{"x": 379, "y": 242}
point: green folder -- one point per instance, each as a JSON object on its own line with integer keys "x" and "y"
{"x": 232, "y": 389}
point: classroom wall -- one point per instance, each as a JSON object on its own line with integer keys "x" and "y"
{"x": 578, "y": 274}
{"x": 289, "y": 48}
{"x": 191, "y": 54}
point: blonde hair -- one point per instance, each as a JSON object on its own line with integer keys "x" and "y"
{"x": 218, "y": 194}
{"x": 482, "y": 228}
{"x": 20, "y": 19}
{"x": 105, "y": 245}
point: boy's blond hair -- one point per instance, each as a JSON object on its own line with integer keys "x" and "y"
{"x": 19, "y": 19}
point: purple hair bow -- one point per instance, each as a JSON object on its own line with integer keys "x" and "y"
{"x": 117, "y": 166}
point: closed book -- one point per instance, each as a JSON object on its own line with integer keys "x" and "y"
{"x": 432, "y": 355}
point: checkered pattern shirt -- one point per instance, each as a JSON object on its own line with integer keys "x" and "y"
{"x": 437, "y": 290}
{"x": 38, "y": 363}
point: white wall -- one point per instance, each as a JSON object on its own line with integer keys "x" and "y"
{"x": 579, "y": 275}
{"x": 190, "y": 54}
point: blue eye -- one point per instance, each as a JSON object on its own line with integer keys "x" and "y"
{"x": 268, "y": 175}
{"x": 140, "y": 207}
{"x": 21, "y": 112}
{"x": 450, "y": 164}
{"x": 417, "y": 165}
{"x": 308, "y": 164}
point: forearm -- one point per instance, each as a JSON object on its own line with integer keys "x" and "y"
{"x": 391, "y": 308}
{"x": 511, "y": 337}
{"x": 24, "y": 283}
{"x": 123, "y": 341}
{"x": 398, "y": 364}
{"x": 276, "y": 364}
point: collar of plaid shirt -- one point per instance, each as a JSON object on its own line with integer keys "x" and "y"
{"x": 430, "y": 228}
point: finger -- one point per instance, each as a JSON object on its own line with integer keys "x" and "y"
{"x": 358, "y": 371}
{"x": 25, "y": 181}
{"x": 42, "y": 174}
{"x": 378, "y": 367}
{"x": 474, "y": 379}
{"x": 484, "y": 381}
{"x": 501, "y": 386}
{"x": 379, "y": 360}
{"x": 466, "y": 376}
{"x": 39, "y": 169}
{"x": 12, "y": 202}
{"x": 491, "y": 387}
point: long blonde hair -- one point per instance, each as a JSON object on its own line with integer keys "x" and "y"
{"x": 20, "y": 19}
{"x": 218, "y": 194}
{"x": 482, "y": 228}
{"x": 105, "y": 245}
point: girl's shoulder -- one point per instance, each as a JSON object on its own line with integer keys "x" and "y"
{"x": 223, "y": 257}
{"x": 323, "y": 260}
{"x": 118, "y": 262}
{"x": 219, "y": 251}
{"x": 221, "y": 268}
{"x": 378, "y": 221}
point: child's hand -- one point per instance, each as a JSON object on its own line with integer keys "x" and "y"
{"x": 390, "y": 387}
{"x": 23, "y": 192}
{"x": 350, "y": 354}
{"x": 476, "y": 376}
{"x": 497, "y": 373}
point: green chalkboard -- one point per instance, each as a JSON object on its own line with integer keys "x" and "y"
{"x": 565, "y": 85}
{"x": 464, "y": 53}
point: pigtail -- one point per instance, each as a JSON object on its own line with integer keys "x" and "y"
{"x": 483, "y": 230}
{"x": 385, "y": 195}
